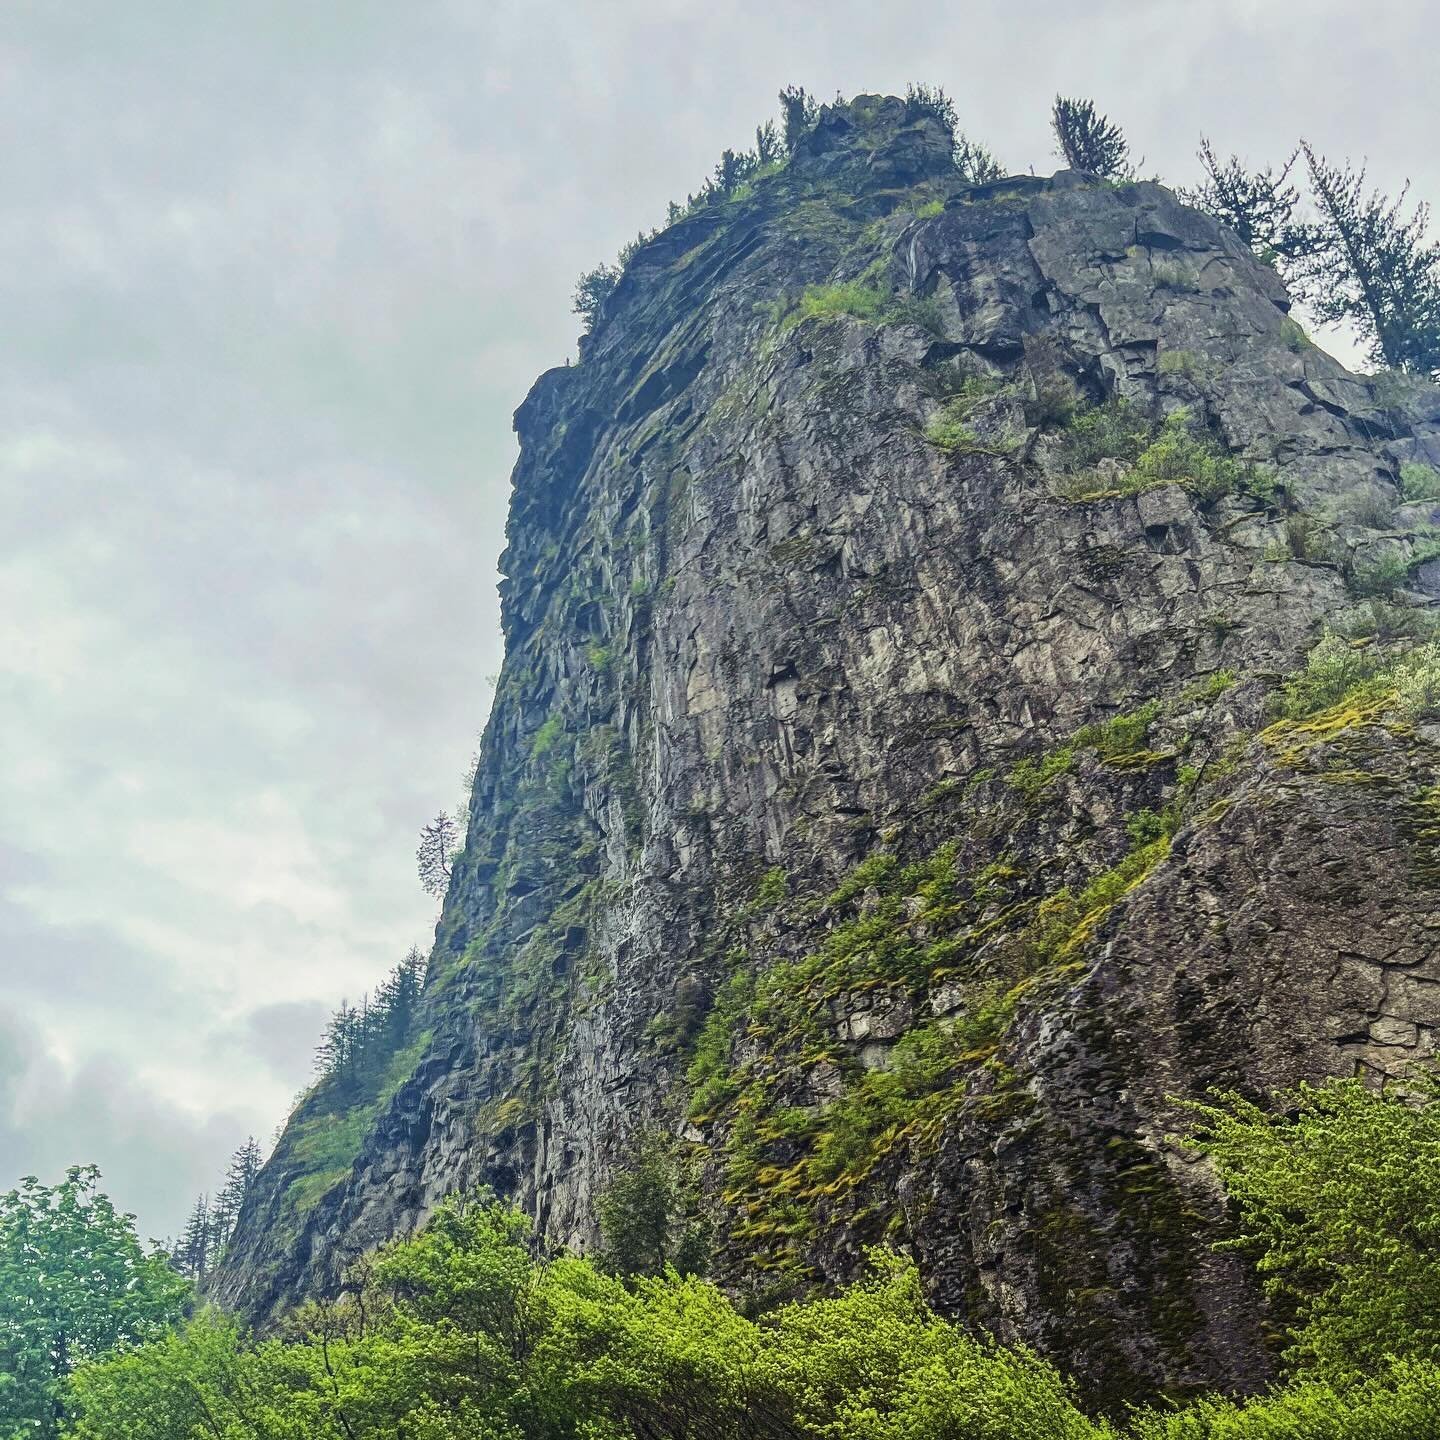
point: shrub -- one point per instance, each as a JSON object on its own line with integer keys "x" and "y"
{"x": 1372, "y": 509}
{"x": 1054, "y": 403}
{"x": 932, "y": 101}
{"x": 592, "y": 290}
{"x": 1381, "y": 577}
{"x": 977, "y": 166}
{"x": 1175, "y": 451}
{"x": 922, "y": 311}
{"x": 1401, "y": 1403}
{"x": 1339, "y": 670}
{"x": 825, "y": 302}
{"x": 948, "y": 431}
{"x": 1419, "y": 482}
{"x": 1333, "y": 669}
{"x": 1338, "y": 1204}
{"x": 1180, "y": 454}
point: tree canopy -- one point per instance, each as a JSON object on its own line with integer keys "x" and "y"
{"x": 75, "y": 1282}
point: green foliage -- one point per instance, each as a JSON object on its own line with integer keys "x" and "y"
{"x": 460, "y": 1334}
{"x": 1373, "y": 266}
{"x": 1380, "y": 578}
{"x": 773, "y": 888}
{"x": 1259, "y": 206}
{"x": 1114, "y": 430}
{"x": 1419, "y": 482}
{"x": 1032, "y": 776}
{"x": 798, "y": 112}
{"x": 1355, "y": 674}
{"x": 1337, "y": 1200}
{"x": 825, "y": 302}
{"x": 1399, "y": 1404}
{"x": 950, "y": 429}
{"x": 1180, "y": 453}
{"x": 976, "y": 164}
{"x": 74, "y": 1283}
{"x": 592, "y": 290}
{"x": 1054, "y": 403}
{"x": 1113, "y": 740}
{"x": 922, "y": 311}
{"x": 648, "y": 1213}
{"x": 1088, "y": 140}
{"x": 931, "y": 101}
{"x": 709, "y": 1074}
{"x": 1174, "y": 451}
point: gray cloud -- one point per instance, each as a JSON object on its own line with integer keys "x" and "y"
{"x": 272, "y": 279}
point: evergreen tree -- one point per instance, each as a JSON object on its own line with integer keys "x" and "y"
{"x": 767, "y": 144}
{"x": 932, "y": 101}
{"x": 1374, "y": 267}
{"x": 399, "y": 995}
{"x": 226, "y": 1207}
{"x": 438, "y": 839}
{"x": 1088, "y": 140}
{"x": 193, "y": 1253}
{"x": 591, "y": 291}
{"x": 1258, "y": 205}
{"x": 649, "y": 1214}
{"x": 975, "y": 163}
{"x": 798, "y": 112}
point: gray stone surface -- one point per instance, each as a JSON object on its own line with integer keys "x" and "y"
{"x": 754, "y": 619}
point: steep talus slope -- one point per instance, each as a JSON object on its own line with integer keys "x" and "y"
{"x": 888, "y": 811}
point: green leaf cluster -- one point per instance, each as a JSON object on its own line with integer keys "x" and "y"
{"x": 75, "y": 1282}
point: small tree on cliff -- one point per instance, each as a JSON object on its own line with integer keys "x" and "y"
{"x": 648, "y": 1213}
{"x": 436, "y": 853}
{"x": 1088, "y": 140}
{"x": 797, "y": 114}
{"x": 1260, "y": 206}
{"x": 591, "y": 291}
{"x": 1373, "y": 266}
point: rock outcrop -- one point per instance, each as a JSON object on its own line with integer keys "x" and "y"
{"x": 880, "y": 796}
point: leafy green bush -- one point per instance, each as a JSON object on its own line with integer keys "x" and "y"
{"x": 1381, "y": 578}
{"x": 1176, "y": 451}
{"x": 1400, "y": 1404}
{"x": 461, "y": 1334}
{"x": 826, "y": 302}
{"x": 1354, "y": 672}
{"x": 949, "y": 431}
{"x": 1419, "y": 482}
{"x": 1338, "y": 1203}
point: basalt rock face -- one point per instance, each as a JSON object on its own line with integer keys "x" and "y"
{"x": 890, "y": 813}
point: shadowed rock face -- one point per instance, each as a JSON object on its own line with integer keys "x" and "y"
{"x": 756, "y": 621}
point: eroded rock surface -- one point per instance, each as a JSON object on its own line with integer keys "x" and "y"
{"x": 762, "y": 631}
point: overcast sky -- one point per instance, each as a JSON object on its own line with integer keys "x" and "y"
{"x": 273, "y": 276}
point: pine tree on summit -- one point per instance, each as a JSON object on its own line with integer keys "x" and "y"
{"x": 1088, "y": 140}
{"x": 1375, "y": 267}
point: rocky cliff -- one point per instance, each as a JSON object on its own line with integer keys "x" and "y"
{"x": 884, "y": 794}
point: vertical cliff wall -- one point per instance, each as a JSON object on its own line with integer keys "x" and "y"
{"x": 880, "y": 796}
